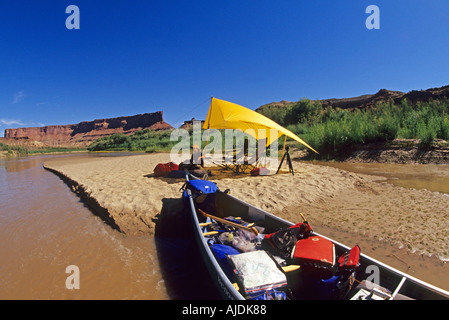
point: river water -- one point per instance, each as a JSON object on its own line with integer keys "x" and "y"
{"x": 45, "y": 228}
{"x": 432, "y": 177}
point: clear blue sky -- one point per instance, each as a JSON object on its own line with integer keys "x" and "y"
{"x": 131, "y": 57}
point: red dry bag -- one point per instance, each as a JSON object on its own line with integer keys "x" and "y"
{"x": 163, "y": 169}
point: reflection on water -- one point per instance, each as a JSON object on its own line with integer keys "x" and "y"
{"x": 419, "y": 176}
{"x": 44, "y": 228}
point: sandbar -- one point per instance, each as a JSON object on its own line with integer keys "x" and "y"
{"x": 332, "y": 199}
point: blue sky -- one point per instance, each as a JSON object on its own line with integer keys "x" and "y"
{"x": 131, "y": 57}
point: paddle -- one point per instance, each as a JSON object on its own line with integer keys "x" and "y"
{"x": 236, "y": 225}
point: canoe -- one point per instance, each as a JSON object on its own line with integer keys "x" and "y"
{"x": 216, "y": 214}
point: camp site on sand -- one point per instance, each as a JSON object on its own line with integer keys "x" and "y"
{"x": 255, "y": 255}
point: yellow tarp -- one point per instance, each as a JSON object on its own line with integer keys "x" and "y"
{"x": 226, "y": 115}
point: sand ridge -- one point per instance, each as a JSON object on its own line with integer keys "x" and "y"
{"x": 417, "y": 220}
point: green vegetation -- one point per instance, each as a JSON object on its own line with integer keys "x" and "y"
{"x": 143, "y": 140}
{"x": 54, "y": 150}
{"x": 158, "y": 141}
{"x": 13, "y": 151}
{"x": 335, "y": 132}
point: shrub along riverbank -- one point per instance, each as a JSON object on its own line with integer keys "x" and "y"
{"x": 335, "y": 132}
{"x": 14, "y": 151}
{"x": 143, "y": 140}
{"x": 154, "y": 141}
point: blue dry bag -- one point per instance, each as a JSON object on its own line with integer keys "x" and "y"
{"x": 202, "y": 186}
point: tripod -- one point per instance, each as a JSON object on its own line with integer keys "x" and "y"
{"x": 289, "y": 161}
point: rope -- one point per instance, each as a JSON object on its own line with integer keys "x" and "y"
{"x": 191, "y": 110}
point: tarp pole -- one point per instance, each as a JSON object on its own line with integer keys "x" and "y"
{"x": 283, "y": 149}
{"x": 207, "y": 135}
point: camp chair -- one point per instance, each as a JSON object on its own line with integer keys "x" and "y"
{"x": 227, "y": 161}
{"x": 245, "y": 162}
{"x": 224, "y": 161}
{"x": 251, "y": 162}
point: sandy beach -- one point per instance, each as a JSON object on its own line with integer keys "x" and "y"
{"x": 132, "y": 199}
{"x": 403, "y": 227}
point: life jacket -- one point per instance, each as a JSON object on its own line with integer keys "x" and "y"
{"x": 315, "y": 251}
{"x": 344, "y": 273}
{"x": 350, "y": 259}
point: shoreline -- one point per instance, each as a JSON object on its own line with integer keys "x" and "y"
{"x": 124, "y": 193}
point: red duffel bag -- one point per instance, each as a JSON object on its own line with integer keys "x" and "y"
{"x": 260, "y": 172}
{"x": 163, "y": 169}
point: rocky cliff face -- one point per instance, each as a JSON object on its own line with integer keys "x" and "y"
{"x": 82, "y": 134}
{"x": 371, "y": 99}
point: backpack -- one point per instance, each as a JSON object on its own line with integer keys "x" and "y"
{"x": 281, "y": 242}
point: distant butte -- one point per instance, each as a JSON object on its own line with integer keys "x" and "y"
{"x": 84, "y": 133}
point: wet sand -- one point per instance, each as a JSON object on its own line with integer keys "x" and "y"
{"x": 402, "y": 226}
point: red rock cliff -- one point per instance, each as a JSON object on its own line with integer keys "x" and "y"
{"x": 82, "y": 134}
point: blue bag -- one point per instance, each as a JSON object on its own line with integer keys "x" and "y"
{"x": 177, "y": 174}
{"x": 221, "y": 252}
{"x": 269, "y": 295}
{"x": 202, "y": 186}
{"x": 198, "y": 188}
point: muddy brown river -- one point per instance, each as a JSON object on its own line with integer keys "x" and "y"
{"x": 432, "y": 177}
{"x": 45, "y": 228}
